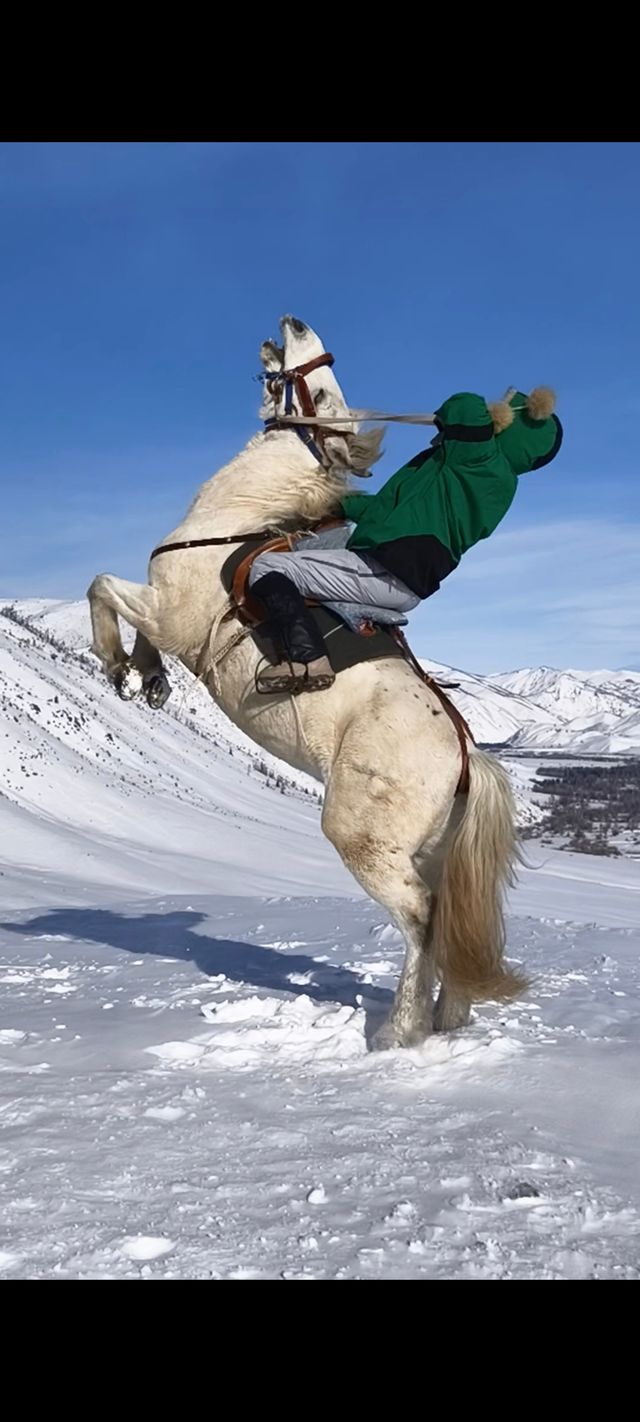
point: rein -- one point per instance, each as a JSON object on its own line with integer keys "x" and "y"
{"x": 263, "y": 533}
{"x": 353, "y": 417}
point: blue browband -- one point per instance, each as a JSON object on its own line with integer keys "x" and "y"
{"x": 303, "y": 431}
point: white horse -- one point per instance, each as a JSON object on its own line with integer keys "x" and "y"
{"x": 389, "y": 757}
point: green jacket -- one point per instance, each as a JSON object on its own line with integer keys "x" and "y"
{"x": 457, "y": 491}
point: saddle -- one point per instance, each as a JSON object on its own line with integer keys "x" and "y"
{"x": 346, "y": 646}
{"x": 360, "y": 618}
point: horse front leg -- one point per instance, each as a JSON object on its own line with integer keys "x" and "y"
{"x": 110, "y": 598}
{"x": 146, "y": 659}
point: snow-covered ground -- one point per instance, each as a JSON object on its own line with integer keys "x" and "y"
{"x": 189, "y": 980}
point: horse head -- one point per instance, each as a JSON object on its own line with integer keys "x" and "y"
{"x": 302, "y": 350}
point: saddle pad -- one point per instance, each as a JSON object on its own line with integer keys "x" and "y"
{"x": 344, "y": 648}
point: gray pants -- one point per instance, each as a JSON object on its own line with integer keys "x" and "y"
{"x": 337, "y": 575}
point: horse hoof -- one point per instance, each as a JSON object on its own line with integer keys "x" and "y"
{"x": 451, "y": 1016}
{"x": 384, "y": 1040}
{"x": 157, "y": 690}
{"x": 450, "y": 1023}
{"x": 128, "y": 683}
{"x": 392, "y": 1038}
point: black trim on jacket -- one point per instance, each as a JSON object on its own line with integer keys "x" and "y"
{"x": 420, "y": 561}
{"x": 546, "y": 458}
{"x": 467, "y": 434}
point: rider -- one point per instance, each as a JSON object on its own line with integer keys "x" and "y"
{"x": 410, "y": 535}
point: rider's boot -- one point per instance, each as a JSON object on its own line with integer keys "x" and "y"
{"x": 306, "y": 666}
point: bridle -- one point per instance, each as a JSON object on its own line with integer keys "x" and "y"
{"x": 294, "y": 382}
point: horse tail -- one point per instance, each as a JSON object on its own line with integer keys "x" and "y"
{"x": 469, "y": 931}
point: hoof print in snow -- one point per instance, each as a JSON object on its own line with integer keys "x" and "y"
{"x": 523, "y": 1190}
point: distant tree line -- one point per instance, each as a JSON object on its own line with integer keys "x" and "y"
{"x": 592, "y": 808}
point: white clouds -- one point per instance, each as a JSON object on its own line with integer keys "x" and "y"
{"x": 558, "y": 592}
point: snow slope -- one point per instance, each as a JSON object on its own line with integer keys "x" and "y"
{"x": 92, "y": 781}
{"x": 62, "y": 725}
{"x": 189, "y": 982}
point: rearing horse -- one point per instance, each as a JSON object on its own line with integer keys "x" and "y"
{"x": 389, "y": 757}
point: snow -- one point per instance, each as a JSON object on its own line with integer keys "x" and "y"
{"x": 146, "y": 1247}
{"x": 265, "y": 1137}
{"x": 190, "y": 980}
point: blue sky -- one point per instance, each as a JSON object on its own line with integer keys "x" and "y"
{"x": 138, "y": 280}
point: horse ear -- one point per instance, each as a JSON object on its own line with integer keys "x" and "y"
{"x": 272, "y": 356}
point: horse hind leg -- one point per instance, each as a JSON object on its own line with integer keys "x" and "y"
{"x": 453, "y": 1008}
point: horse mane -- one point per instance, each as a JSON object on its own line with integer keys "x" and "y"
{"x": 365, "y": 448}
{"x": 273, "y": 482}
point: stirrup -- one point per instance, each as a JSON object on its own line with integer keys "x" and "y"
{"x": 287, "y": 681}
{"x": 317, "y": 681}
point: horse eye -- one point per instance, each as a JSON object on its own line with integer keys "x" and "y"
{"x": 321, "y": 396}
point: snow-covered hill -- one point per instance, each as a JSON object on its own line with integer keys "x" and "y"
{"x": 188, "y": 982}
{"x": 89, "y": 778}
{"x": 536, "y": 708}
{"x": 73, "y": 757}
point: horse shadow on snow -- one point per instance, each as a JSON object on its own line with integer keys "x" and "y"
{"x": 171, "y": 935}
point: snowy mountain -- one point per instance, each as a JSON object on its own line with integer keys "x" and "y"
{"x": 536, "y": 708}
{"x": 496, "y": 714}
{"x": 568, "y": 695}
{"x": 542, "y": 709}
{"x": 597, "y": 712}
{"x": 62, "y": 726}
